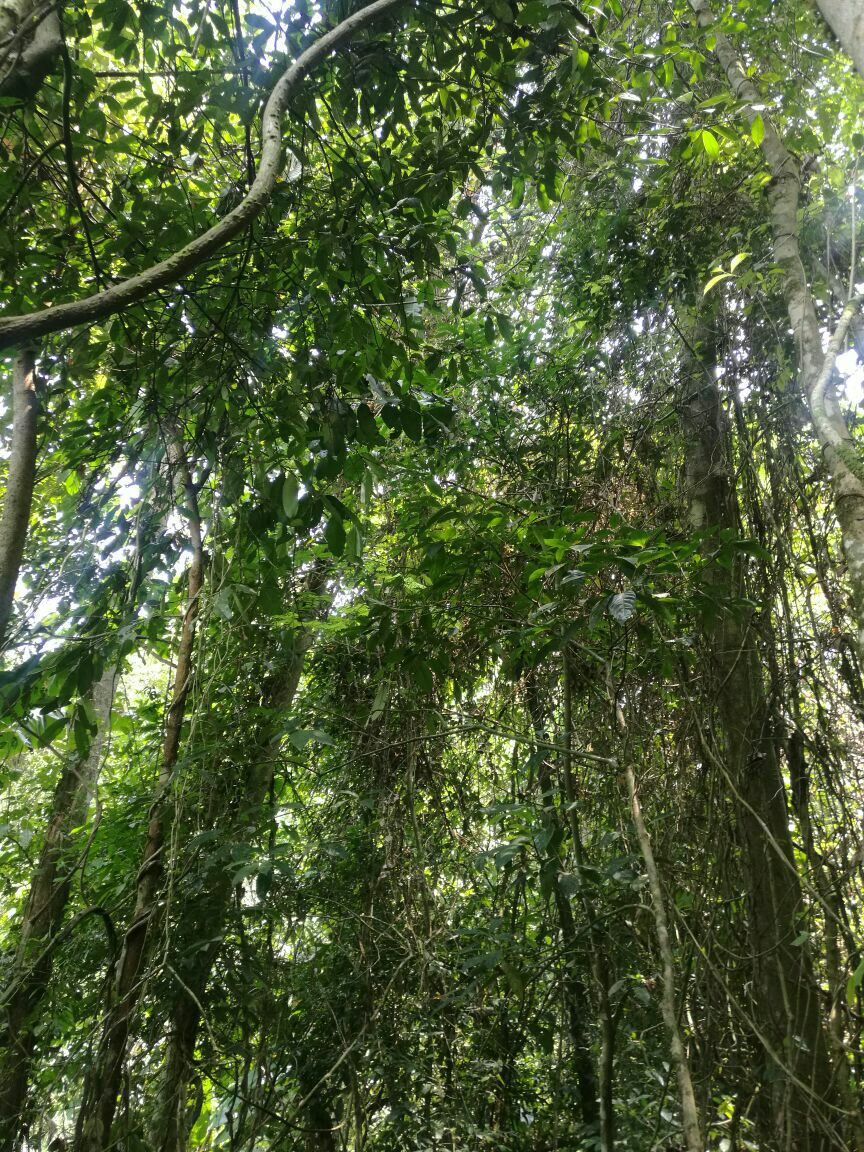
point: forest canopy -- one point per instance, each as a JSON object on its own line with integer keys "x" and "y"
{"x": 431, "y": 576}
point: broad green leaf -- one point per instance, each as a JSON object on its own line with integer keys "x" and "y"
{"x": 709, "y": 143}
{"x": 715, "y": 280}
{"x": 290, "y": 496}
{"x": 622, "y": 605}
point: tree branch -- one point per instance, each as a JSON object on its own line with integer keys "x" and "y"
{"x": 16, "y": 330}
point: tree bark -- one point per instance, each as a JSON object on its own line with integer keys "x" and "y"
{"x": 16, "y": 330}
{"x": 31, "y": 41}
{"x": 102, "y": 1086}
{"x": 786, "y": 994}
{"x": 43, "y": 916}
{"x": 845, "y": 18}
{"x": 832, "y": 911}
{"x": 20, "y": 480}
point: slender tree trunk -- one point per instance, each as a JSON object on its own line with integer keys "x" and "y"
{"x": 19, "y": 483}
{"x": 600, "y": 969}
{"x": 689, "y": 1112}
{"x": 102, "y": 1086}
{"x": 43, "y": 917}
{"x": 799, "y": 1076}
{"x": 205, "y": 916}
{"x": 576, "y": 1001}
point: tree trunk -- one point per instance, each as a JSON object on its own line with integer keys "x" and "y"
{"x": 600, "y": 969}
{"x": 799, "y": 1076}
{"x": 96, "y": 1115}
{"x": 575, "y": 995}
{"x": 845, "y": 18}
{"x": 19, "y": 483}
{"x": 832, "y": 912}
{"x": 31, "y": 41}
{"x": 43, "y": 917}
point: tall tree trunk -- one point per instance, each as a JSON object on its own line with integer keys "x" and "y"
{"x": 96, "y": 1115}
{"x": 799, "y": 1076}
{"x": 204, "y": 917}
{"x": 844, "y": 462}
{"x": 19, "y": 483}
{"x": 43, "y": 917}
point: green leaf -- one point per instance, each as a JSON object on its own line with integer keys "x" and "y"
{"x": 718, "y": 279}
{"x": 367, "y": 428}
{"x": 622, "y": 606}
{"x": 422, "y": 676}
{"x": 757, "y": 129}
{"x": 290, "y": 496}
{"x": 514, "y": 977}
{"x": 709, "y": 143}
{"x": 854, "y": 983}
{"x": 304, "y": 736}
{"x": 412, "y": 420}
{"x": 334, "y": 534}
{"x": 353, "y": 543}
{"x": 504, "y": 326}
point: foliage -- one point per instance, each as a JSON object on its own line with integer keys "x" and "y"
{"x": 444, "y": 407}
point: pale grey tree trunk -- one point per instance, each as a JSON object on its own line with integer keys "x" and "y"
{"x": 845, "y": 18}
{"x": 104, "y": 1077}
{"x": 203, "y": 915}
